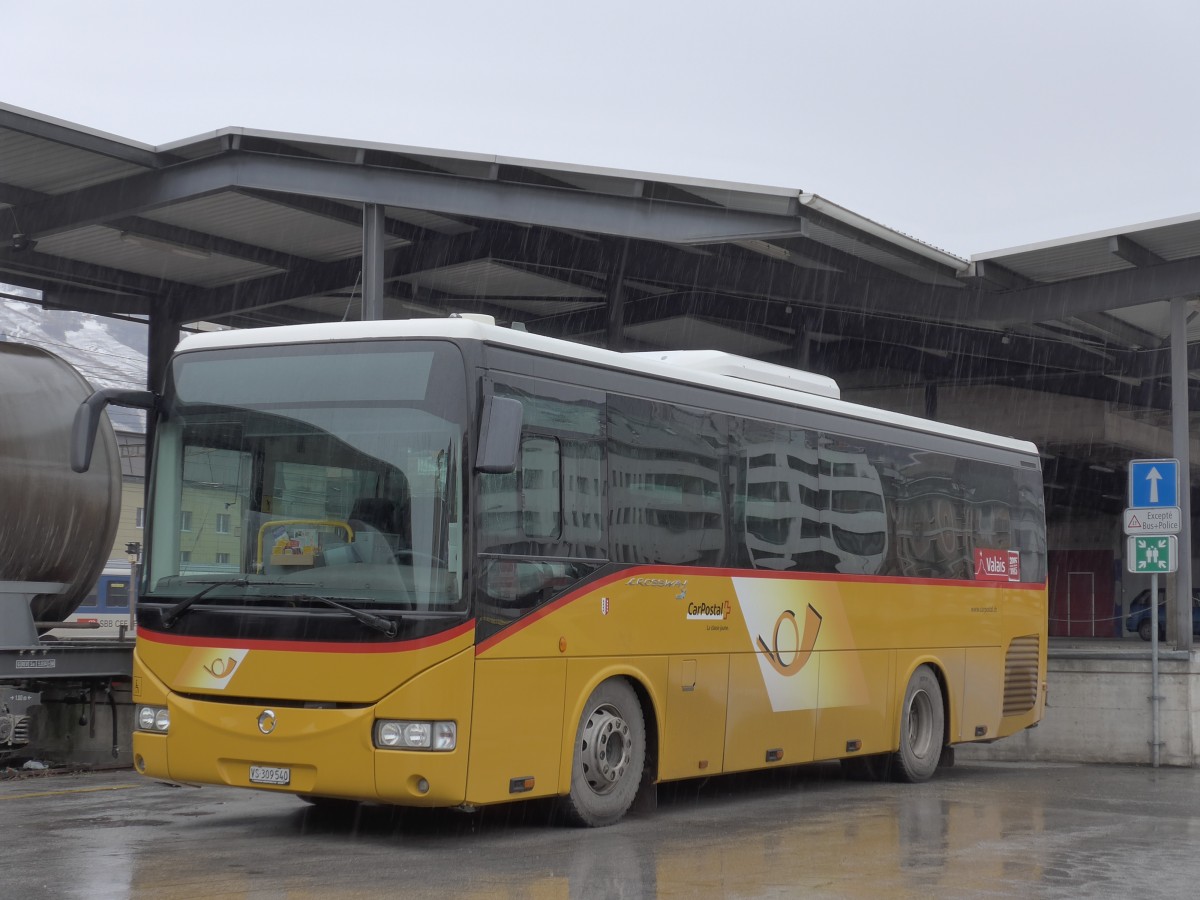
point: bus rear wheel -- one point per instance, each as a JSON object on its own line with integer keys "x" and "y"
{"x": 609, "y": 757}
{"x": 922, "y": 728}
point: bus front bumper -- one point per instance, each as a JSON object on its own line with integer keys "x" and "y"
{"x": 321, "y": 752}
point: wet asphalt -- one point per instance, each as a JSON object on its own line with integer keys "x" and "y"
{"x": 976, "y": 830}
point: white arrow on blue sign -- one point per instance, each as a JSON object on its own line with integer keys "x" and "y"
{"x": 1153, "y": 482}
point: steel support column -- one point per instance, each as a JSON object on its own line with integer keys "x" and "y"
{"x": 1180, "y": 443}
{"x": 162, "y": 335}
{"x": 372, "y": 262}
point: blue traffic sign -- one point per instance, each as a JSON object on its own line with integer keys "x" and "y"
{"x": 1154, "y": 482}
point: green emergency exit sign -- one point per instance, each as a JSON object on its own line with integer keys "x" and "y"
{"x": 1152, "y": 555}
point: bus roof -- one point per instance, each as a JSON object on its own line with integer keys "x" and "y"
{"x": 816, "y": 393}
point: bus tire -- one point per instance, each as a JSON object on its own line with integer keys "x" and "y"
{"x": 609, "y": 756}
{"x": 922, "y": 728}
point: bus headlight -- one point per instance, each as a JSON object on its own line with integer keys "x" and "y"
{"x": 405, "y": 734}
{"x": 153, "y": 718}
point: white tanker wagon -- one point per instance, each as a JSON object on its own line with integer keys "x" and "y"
{"x": 56, "y": 528}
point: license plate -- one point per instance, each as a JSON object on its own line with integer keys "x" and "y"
{"x": 270, "y": 775}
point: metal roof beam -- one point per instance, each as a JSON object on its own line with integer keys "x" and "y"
{"x": 207, "y": 243}
{"x": 1133, "y": 252}
{"x": 878, "y": 243}
{"x": 985, "y": 271}
{"x": 1094, "y": 293}
{"x": 97, "y": 303}
{"x": 300, "y": 281}
{"x": 27, "y": 264}
{"x": 315, "y": 278}
{"x": 78, "y": 138}
{"x": 446, "y": 195}
{"x": 1130, "y": 335}
{"x": 846, "y": 282}
{"x": 961, "y": 347}
{"x": 345, "y": 213}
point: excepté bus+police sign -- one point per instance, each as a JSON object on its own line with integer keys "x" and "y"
{"x": 1153, "y": 517}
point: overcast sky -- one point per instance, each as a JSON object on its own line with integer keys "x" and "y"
{"x": 970, "y": 126}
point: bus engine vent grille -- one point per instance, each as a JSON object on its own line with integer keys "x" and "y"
{"x": 1021, "y": 675}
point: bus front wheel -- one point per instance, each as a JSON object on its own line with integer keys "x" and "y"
{"x": 610, "y": 754}
{"x": 922, "y": 726}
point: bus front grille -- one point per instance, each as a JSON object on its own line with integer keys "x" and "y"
{"x": 1021, "y": 675}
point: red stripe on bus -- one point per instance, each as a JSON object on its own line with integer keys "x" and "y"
{"x": 683, "y": 571}
{"x": 432, "y": 640}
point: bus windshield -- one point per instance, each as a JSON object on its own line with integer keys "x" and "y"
{"x": 328, "y": 470}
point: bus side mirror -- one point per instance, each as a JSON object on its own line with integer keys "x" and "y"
{"x": 499, "y": 435}
{"x": 87, "y": 420}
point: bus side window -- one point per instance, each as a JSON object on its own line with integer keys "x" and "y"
{"x": 552, "y": 506}
{"x": 666, "y": 469}
{"x": 777, "y": 500}
{"x": 541, "y": 487}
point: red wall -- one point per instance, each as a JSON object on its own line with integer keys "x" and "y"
{"x": 1081, "y": 594}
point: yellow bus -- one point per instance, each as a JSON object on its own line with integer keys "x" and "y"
{"x": 475, "y": 565}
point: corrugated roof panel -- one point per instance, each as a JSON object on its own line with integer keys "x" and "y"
{"x": 489, "y": 278}
{"x": 1064, "y": 261}
{"x": 453, "y": 164}
{"x": 53, "y": 168}
{"x": 1155, "y": 318}
{"x": 898, "y": 264}
{"x": 1178, "y": 241}
{"x": 599, "y": 184}
{"x": 103, "y": 246}
{"x": 770, "y": 202}
{"x": 259, "y": 222}
{"x": 429, "y": 221}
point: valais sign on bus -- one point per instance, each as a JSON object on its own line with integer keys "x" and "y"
{"x": 997, "y": 565}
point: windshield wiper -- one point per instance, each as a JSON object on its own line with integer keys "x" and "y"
{"x": 171, "y": 615}
{"x": 384, "y": 626}
{"x": 380, "y": 624}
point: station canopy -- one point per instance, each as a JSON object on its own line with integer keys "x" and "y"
{"x": 246, "y": 228}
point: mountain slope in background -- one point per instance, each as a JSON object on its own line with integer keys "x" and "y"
{"x": 107, "y": 352}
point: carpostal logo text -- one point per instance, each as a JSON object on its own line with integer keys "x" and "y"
{"x": 710, "y": 612}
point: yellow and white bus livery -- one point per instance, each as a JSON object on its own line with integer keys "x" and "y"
{"x": 444, "y": 563}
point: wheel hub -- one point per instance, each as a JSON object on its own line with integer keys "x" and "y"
{"x": 606, "y": 749}
{"x": 920, "y": 730}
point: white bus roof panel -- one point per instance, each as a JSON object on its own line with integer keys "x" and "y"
{"x": 718, "y": 362}
{"x": 641, "y": 363}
